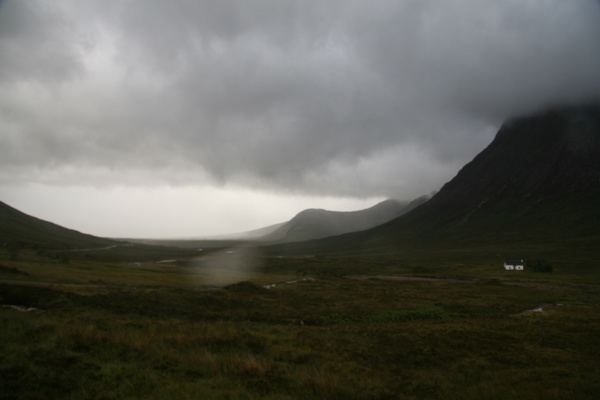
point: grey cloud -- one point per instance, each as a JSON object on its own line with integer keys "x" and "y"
{"x": 341, "y": 98}
{"x": 486, "y": 57}
{"x": 35, "y": 42}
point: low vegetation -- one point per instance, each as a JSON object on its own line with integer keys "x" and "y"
{"x": 541, "y": 266}
{"x": 93, "y": 329}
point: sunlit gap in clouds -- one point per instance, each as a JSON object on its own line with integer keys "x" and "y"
{"x": 226, "y": 266}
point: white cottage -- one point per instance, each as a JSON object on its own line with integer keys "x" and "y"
{"x": 514, "y": 265}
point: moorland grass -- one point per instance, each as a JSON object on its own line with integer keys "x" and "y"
{"x": 158, "y": 332}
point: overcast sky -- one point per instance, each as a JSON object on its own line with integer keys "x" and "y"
{"x": 152, "y": 118}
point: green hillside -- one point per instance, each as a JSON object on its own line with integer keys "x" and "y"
{"x": 22, "y": 230}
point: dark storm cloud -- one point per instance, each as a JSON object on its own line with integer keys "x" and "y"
{"x": 339, "y": 97}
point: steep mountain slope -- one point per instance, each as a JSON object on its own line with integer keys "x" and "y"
{"x": 317, "y": 223}
{"x": 17, "y": 228}
{"x": 532, "y": 158}
{"x": 534, "y": 191}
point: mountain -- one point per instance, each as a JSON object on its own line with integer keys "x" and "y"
{"x": 255, "y": 234}
{"x": 533, "y": 192}
{"x": 531, "y": 158}
{"x": 22, "y": 230}
{"x": 318, "y": 223}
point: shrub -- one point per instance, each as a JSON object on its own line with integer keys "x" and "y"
{"x": 541, "y": 266}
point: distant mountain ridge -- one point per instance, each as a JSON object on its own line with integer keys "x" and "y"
{"x": 317, "y": 223}
{"x": 308, "y": 224}
{"x": 534, "y": 190}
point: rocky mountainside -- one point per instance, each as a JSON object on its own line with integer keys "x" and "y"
{"x": 531, "y": 158}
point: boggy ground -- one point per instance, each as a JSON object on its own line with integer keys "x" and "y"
{"x": 328, "y": 338}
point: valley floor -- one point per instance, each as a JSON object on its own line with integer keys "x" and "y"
{"x": 329, "y": 337}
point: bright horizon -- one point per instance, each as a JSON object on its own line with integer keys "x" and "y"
{"x": 171, "y": 208}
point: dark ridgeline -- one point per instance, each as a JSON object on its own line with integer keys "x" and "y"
{"x": 20, "y": 229}
{"x": 536, "y": 186}
{"x": 531, "y": 158}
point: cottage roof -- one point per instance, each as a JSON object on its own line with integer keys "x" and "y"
{"x": 513, "y": 262}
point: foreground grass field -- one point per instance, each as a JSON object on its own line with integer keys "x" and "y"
{"x": 122, "y": 330}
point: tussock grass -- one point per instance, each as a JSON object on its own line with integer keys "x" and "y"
{"x": 330, "y": 337}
